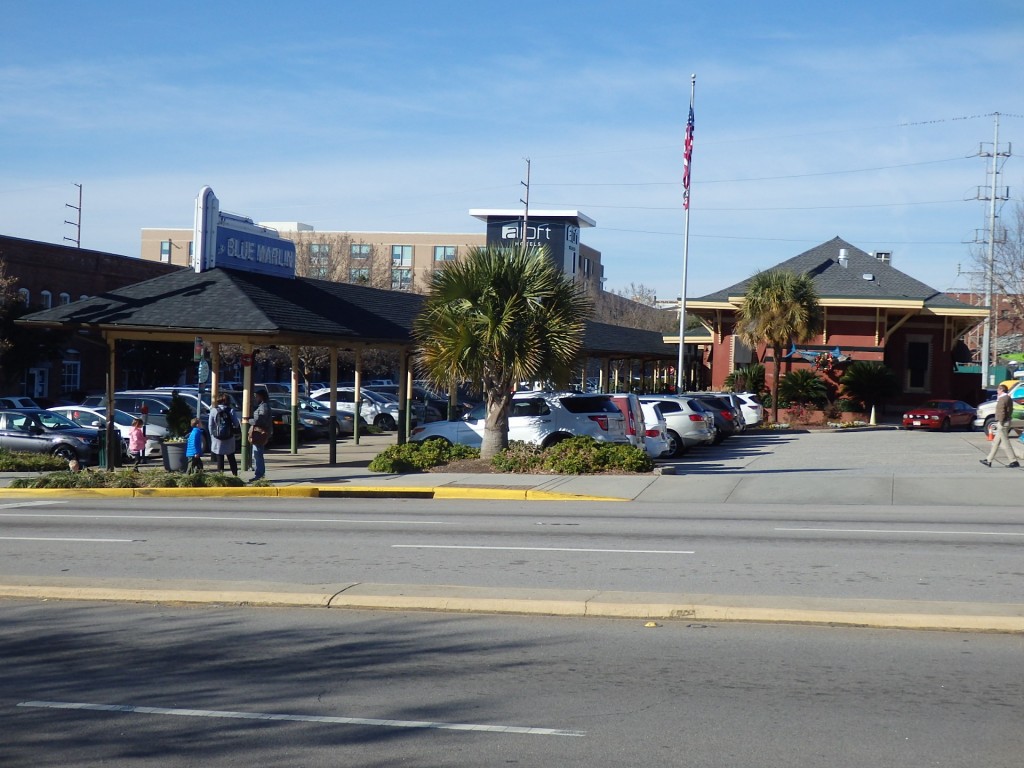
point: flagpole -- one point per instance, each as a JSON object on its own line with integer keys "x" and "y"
{"x": 687, "y": 157}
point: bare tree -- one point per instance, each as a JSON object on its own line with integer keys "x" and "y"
{"x": 1007, "y": 273}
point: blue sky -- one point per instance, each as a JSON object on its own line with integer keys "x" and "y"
{"x": 812, "y": 120}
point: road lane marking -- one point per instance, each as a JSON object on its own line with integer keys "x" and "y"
{"x": 896, "y": 530}
{"x": 131, "y": 709}
{"x": 53, "y": 538}
{"x": 548, "y": 549}
{"x": 228, "y": 519}
{"x": 16, "y": 504}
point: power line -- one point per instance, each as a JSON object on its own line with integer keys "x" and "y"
{"x": 796, "y": 208}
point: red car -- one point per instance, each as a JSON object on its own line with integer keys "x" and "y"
{"x": 939, "y": 414}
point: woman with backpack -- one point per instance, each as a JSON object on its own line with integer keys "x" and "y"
{"x": 222, "y": 425}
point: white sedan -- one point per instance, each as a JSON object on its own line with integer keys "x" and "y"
{"x": 96, "y": 418}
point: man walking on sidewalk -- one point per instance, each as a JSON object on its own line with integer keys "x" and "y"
{"x": 1004, "y": 412}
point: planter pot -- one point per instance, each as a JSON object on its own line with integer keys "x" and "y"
{"x": 174, "y": 456}
{"x": 853, "y": 416}
{"x": 804, "y": 418}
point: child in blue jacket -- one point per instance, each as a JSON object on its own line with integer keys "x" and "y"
{"x": 194, "y": 447}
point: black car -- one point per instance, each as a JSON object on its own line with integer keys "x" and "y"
{"x": 722, "y": 410}
{"x": 39, "y": 431}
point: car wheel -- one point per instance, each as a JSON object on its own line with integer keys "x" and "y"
{"x": 946, "y": 425}
{"x": 65, "y": 452}
{"x": 675, "y": 445}
{"x": 385, "y": 422}
{"x": 554, "y": 439}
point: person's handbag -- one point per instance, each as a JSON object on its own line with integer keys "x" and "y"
{"x": 258, "y": 436}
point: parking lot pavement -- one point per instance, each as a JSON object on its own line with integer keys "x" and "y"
{"x": 883, "y": 466}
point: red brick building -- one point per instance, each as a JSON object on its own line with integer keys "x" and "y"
{"x": 872, "y": 311}
{"x": 47, "y": 275}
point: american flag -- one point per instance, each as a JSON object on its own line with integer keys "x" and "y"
{"x": 687, "y": 154}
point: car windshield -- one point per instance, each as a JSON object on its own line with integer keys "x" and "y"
{"x": 52, "y": 420}
{"x": 939, "y": 405}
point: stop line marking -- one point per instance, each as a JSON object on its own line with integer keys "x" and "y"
{"x": 226, "y": 714}
{"x": 548, "y": 549}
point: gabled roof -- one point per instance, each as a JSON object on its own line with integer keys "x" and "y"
{"x": 864, "y": 281}
{"x": 229, "y": 302}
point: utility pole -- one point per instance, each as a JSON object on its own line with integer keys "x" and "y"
{"x": 995, "y": 193}
{"x": 77, "y": 239}
{"x": 526, "y": 202}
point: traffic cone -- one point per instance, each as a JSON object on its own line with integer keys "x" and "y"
{"x": 990, "y": 435}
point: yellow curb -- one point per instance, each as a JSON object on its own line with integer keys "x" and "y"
{"x": 267, "y": 491}
{"x": 229, "y": 596}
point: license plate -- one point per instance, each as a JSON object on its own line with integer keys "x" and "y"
{"x": 917, "y": 423}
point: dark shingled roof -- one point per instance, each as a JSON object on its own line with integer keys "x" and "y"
{"x": 239, "y": 303}
{"x": 835, "y": 281}
{"x": 234, "y": 302}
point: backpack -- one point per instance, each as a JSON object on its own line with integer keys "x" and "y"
{"x": 224, "y": 428}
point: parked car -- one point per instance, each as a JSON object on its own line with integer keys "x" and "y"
{"x": 17, "y": 401}
{"x": 40, "y": 431}
{"x": 314, "y": 420}
{"x": 940, "y": 414}
{"x": 688, "y": 422}
{"x": 629, "y": 405}
{"x": 151, "y": 404}
{"x": 751, "y": 407}
{"x": 656, "y": 440}
{"x": 375, "y": 409}
{"x": 725, "y": 416}
{"x": 433, "y": 407}
{"x": 96, "y": 418}
{"x": 736, "y": 404}
{"x": 540, "y": 418}
{"x": 985, "y": 414}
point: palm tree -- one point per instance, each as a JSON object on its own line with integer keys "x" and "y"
{"x": 494, "y": 318}
{"x": 870, "y": 382}
{"x": 779, "y": 307}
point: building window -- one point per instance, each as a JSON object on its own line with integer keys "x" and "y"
{"x": 401, "y": 255}
{"x": 360, "y": 250}
{"x": 46, "y": 299}
{"x": 24, "y": 296}
{"x": 401, "y": 279}
{"x": 70, "y": 375}
{"x": 65, "y": 298}
{"x": 319, "y": 260}
{"x": 919, "y": 358}
{"x": 360, "y": 275}
{"x": 445, "y": 252}
{"x": 165, "y": 251}
{"x": 191, "y": 252}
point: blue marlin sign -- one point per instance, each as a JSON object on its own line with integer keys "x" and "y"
{"x": 235, "y": 242}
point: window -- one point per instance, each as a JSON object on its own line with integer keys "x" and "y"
{"x": 401, "y": 279}
{"x": 46, "y": 299}
{"x": 24, "y": 296}
{"x": 65, "y": 298}
{"x": 319, "y": 260}
{"x": 70, "y": 375}
{"x": 918, "y": 373}
{"x": 359, "y": 275}
{"x": 445, "y": 252}
{"x": 360, "y": 251}
{"x": 165, "y": 251}
{"x": 401, "y": 255}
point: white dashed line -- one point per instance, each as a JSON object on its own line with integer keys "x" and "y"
{"x": 131, "y": 709}
{"x": 548, "y": 549}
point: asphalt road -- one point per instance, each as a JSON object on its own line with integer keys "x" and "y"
{"x": 133, "y": 685}
{"x": 946, "y": 554}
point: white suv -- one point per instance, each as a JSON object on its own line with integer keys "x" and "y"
{"x": 376, "y": 409}
{"x": 541, "y": 418}
{"x": 985, "y": 419}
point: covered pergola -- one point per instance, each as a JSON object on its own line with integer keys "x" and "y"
{"x": 226, "y": 306}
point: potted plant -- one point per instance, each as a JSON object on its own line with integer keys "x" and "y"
{"x": 179, "y": 424}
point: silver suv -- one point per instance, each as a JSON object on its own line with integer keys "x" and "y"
{"x": 541, "y": 418}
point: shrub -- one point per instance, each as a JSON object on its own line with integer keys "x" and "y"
{"x": 19, "y": 461}
{"x": 416, "y": 457}
{"x": 128, "y": 478}
{"x": 519, "y": 457}
{"x": 585, "y": 456}
{"x": 803, "y": 386}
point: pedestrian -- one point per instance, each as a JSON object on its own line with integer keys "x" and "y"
{"x": 137, "y": 442}
{"x": 194, "y": 447}
{"x": 222, "y": 426}
{"x": 1004, "y": 412}
{"x": 261, "y": 430}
